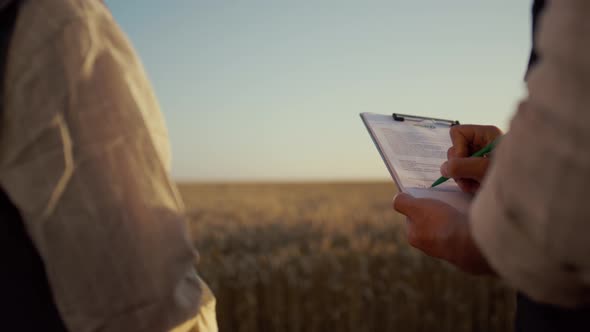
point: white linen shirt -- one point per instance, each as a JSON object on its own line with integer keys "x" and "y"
{"x": 85, "y": 157}
{"x": 531, "y": 218}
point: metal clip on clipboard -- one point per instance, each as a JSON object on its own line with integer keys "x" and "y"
{"x": 404, "y": 117}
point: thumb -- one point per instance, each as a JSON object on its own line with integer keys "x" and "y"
{"x": 465, "y": 168}
{"x": 406, "y": 204}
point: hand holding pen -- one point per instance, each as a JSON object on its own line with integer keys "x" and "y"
{"x": 467, "y": 159}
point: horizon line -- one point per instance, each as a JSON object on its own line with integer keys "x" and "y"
{"x": 280, "y": 180}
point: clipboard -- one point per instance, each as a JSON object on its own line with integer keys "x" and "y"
{"x": 402, "y": 117}
{"x": 413, "y": 147}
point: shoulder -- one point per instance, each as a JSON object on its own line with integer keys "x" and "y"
{"x": 50, "y": 45}
{"x": 43, "y": 24}
{"x": 52, "y": 15}
{"x": 564, "y": 33}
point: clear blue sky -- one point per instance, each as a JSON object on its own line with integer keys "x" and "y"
{"x": 271, "y": 90}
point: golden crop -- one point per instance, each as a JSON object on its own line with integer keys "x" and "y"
{"x": 328, "y": 257}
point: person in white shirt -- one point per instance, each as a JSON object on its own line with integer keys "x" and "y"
{"x": 530, "y": 219}
{"x": 84, "y": 167}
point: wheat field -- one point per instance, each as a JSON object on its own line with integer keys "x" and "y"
{"x": 328, "y": 257}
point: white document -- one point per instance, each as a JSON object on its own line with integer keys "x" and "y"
{"x": 413, "y": 151}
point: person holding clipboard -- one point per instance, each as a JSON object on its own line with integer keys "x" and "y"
{"x": 530, "y": 219}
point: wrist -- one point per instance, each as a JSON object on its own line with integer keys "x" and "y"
{"x": 469, "y": 257}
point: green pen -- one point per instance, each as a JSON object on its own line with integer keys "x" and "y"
{"x": 479, "y": 153}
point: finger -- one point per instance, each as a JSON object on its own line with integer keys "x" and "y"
{"x": 490, "y": 134}
{"x": 468, "y": 186}
{"x": 408, "y": 226}
{"x": 470, "y": 138}
{"x": 406, "y": 205}
{"x": 411, "y": 235}
{"x": 461, "y": 137}
{"x": 451, "y": 153}
{"x": 444, "y": 169}
{"x": 415, "y": 208}
{"x": 466, "y": 168}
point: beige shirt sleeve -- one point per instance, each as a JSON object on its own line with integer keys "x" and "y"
{"x": 84, "y": 155}
{"x": 532, "y": 216}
